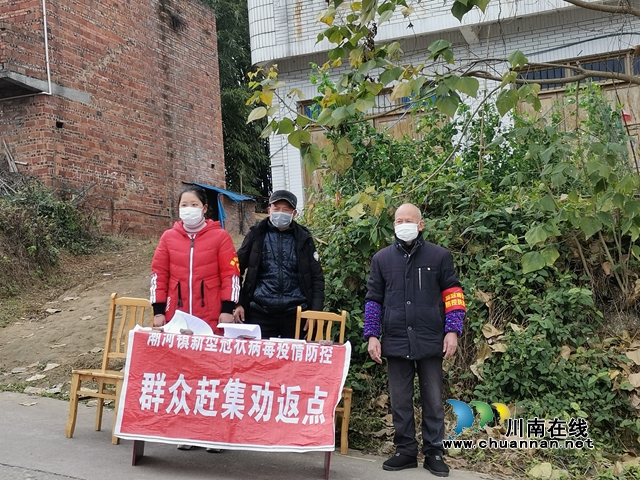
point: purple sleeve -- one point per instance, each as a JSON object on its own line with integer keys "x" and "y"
{"x": 453, "y": 321}
{"x": 372, "y": 316}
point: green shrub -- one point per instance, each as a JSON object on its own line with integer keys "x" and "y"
{"x": 34, "y": 227}
{"x": 552, "y": 356}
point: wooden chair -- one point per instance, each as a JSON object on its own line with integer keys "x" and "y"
{"x": 124, "y": 314}
{"x": 321, "y": 328}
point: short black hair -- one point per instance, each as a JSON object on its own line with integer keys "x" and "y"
{"x": 197, "y": 191}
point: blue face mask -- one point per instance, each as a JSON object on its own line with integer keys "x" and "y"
{"x": 280, "y": 219}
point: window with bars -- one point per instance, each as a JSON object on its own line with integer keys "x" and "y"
{"x": 619, "y": 62}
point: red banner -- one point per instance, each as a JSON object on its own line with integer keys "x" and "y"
{"x": 231, "y": 393}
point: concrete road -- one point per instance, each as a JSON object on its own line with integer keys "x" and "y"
{"x": 33, "y": 447}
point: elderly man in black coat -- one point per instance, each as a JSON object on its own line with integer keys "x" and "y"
{"x": 414, "y": 312}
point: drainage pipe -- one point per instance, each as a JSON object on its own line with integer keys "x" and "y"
{"x": 46, "y": 45}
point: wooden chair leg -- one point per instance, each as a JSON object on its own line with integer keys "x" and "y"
{"x": 344, "y": 426}
{"x": 73, "y": 406}
{"x": 344, "y": 445}
{"x": 99, "y": 406}
{"x": 115, "y": 440}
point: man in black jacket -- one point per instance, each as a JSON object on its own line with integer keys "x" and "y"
{"x": 415, "y": 303}
{"x": 282, "y": 269}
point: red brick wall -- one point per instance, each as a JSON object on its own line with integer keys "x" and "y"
{"x": 149, "y": 71}
{"x": 240, "y": 216}
{"x": 22, "y": 37}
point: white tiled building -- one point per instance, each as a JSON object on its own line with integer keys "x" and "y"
{"x": 284, "y": 32}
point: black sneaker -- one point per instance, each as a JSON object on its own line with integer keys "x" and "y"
{"x": 400, "y": 462}
{"x": 435, "y": 464}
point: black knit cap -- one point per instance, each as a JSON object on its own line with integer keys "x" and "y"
{"x": 284, "y": 195}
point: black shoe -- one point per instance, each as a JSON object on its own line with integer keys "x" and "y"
{"x": 400, "y": 462}
{"x": 435, "y": 464}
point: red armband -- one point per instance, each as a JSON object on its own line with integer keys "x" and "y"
{"x": 453, "y": 299}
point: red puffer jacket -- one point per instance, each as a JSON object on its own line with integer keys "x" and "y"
{"x": 195, "y": 273}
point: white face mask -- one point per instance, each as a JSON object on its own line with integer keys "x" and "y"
{"x": 191, "y": 216}
{"x": 407, "y": 232}
{"x": 281, "y": 219}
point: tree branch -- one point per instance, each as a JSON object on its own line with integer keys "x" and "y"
{"x": 624, "y": 9}
{"x": 584, "y": 73}
{"x": 456, "y": 146}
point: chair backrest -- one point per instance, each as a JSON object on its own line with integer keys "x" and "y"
{"x": 124, "y": 314}
{"x": 321, "y": 325}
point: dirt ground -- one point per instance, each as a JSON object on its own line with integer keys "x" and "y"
{"x": 38, "y": 349}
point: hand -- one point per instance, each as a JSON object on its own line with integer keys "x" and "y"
{"x": 450, "y": 344}
{"x": 159, "y": 320}
{"x": 225, "y": 318}
{"x": 238, "y": 314}
{"x": 375, "y": 350}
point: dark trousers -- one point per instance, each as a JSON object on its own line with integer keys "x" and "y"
{"x": 274, "y": 325}
{"x": 401, "y": 375}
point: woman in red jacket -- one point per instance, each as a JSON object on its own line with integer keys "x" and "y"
{"x": 195, "y": 267}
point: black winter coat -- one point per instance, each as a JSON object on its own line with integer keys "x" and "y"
{"x": 409, "y": 287}
{"x": 310, "y": 277}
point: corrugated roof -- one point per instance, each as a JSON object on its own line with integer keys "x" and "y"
{"x": 236, "y": 197}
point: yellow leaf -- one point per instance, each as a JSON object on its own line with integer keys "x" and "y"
{"x": 613, "y": 374}
{"x": 606, "y": 266}
{"x": 252, "y": 98}
{"x": 402, "y": 90}
{"x": 498, "y": 347}
{"x": 266, "y": 97}
{"x": 256, "y": 114}
{"x": 565, "y": 352}
{"x": 380, "y": 206}
{"x": 635, "y": 356}
{"x": 489, "y": 331}
{"x": 327, "y": 18}
{"x": 356, "y": 211}
{"x": 355, "y": 57}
